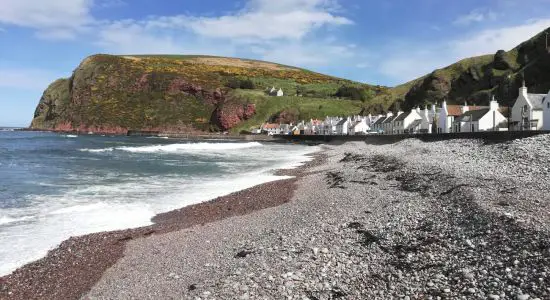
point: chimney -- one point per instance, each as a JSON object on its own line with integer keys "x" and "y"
{"x": 523, "y": 90}
{"x": 418, "y": 109}
{"x": 389, "y": 114}
{"x": 493, "y": 105}
{"x": 465, "y": 108}
{"x": 426, "y": 112}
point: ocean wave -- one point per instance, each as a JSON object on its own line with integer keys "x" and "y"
{"x": 175, "y": 148}
{"x": 97, "y": 150}
{"x": 7, "y": 220}
{"x": 72, "y": 136}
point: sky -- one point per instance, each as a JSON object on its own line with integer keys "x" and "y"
{"x": 386, "y": 42}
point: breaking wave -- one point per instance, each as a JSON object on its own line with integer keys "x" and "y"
{"x": 175, "y": 148}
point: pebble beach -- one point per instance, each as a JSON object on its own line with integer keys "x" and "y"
{"x": 457, "y": 219}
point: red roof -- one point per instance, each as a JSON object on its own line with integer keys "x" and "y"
{"x": 454, "y": 110}
{"x": 270, "y": 126}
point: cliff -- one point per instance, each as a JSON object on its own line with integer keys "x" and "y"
{"x": 114, "y": 94}
{"x": 475, "y": 80}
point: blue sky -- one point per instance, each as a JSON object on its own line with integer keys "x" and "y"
{"x": 378, "y": 42}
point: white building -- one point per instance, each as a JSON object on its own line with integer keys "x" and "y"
{"x": 359, "y": 126}
{"x": 378, "y": 125}
{"x": 342, "y": 127}
{"x": 528, "y": 111}
{"x": 271, "y": 128}
{"x": 388, "y": 125}
{"x": 409, "y": 122}
{"x": 276, "y": 93}
{"x": 428, "y": 116}
{"x": 446, "y": 117}
{"x": 483, "y": 119}
{"x": 329, "y": 125}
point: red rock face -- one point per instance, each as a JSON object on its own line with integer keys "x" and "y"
{"x": 210, "y": 97}
{"x": 230, "y": 115}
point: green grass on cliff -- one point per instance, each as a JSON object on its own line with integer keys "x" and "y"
{"x": 307, "y": 108}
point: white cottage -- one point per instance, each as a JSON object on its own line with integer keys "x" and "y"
{"x": 359, "y": 126}
{"x": 276, "y": 93}
{"x": 482, "y": 119}
{"x": 329, "y": 125}
{"x": 378, "y": 125}
{"x": 528, "y": 111}
{"x": 342, "y": 127}
{"x": 271, "y": 128}
{"x": 446, "y": 117}
{"x": 428, "y": 116}
{"x": 408, "y": 122}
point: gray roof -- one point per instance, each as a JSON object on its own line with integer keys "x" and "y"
{"x": 390, "y": 119}
{"x": 536, "y": 100}
{"x": 380, "y": 121}
{"x": 414, "y": 124}
{"x": 402, "y": 116}
{"x": 342, "y": 122}
{"x": 472, "y": 115}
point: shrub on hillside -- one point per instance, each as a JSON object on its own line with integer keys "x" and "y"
{"x": 355, "y": 93}
{"x": 235, "y": 83}
{"x": 247, "y": 84}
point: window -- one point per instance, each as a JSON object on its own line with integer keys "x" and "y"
{"x": 473, "y": 128}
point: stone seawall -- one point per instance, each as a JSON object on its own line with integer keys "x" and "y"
{"x": 488, "y": 137}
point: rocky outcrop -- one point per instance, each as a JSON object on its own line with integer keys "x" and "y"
{"x": 111, "y": 95}
{"x": 475, "y": 80}
{"x": 229, "y": 115}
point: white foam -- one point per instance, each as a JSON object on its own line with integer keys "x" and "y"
{"x": 98, "y": 206}
{"x": 71, "y": 136}
{"x": 179, "y": 148}
{"x": 7, "y": 220}
{"x": 171, "y": 148}
{"x": 98, "y": 150}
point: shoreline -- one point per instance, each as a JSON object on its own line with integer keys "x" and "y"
{"x": 85, "y": 258}
{"x": 169, "y": 134}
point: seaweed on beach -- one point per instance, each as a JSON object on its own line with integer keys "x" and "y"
{"x": 335, "y": 180}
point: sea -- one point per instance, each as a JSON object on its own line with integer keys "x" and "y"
{"x": 54, "y": 186}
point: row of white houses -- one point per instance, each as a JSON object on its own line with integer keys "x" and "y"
{"x": 530, "y": 112}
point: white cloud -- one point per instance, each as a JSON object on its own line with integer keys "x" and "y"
{"x": 419, "y": 59}
{"x": 26, "y": 79}
{"x": 260, "y": 20}
{"x": 285, "y": 31}
{"x": 475, "y": 16}
{"x": 59, "y": 18}
{"x": 490, "y": 40}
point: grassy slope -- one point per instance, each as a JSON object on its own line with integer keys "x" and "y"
{"x": 308, "y": 108}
